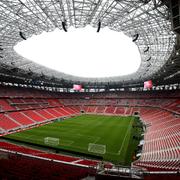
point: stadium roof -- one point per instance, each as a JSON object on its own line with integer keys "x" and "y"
{"x": 146, "y": 21}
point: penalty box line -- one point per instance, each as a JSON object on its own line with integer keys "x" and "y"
{"x": 91, "y": 137}
{"x": 97, "y": 139}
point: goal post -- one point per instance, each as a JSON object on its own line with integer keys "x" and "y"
{"x": 51, "y": 141}
{"x": 97, "y": 148}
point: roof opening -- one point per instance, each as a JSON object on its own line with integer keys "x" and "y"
{"x": 83, "y": 52}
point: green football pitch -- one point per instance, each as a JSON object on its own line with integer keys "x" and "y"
{"x": 108, "y": 137}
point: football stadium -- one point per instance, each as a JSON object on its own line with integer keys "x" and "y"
{"x": 89, "y": 90}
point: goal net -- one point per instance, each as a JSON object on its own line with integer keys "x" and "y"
{"x": 51, "y": 141}
{"x": 97, "y": 148}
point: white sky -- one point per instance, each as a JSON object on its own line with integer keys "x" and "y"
{"x": 83, "y": 52}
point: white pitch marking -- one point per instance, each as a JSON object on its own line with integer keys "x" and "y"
{"x": 119, "y": 152}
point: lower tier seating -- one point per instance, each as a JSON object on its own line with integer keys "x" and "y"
{"x": 10, "y": 121}
{"x": 161, "y": 149}
{"x": 6, "y": 123}
{"x": 43, "y": 154}
{"x": 20, "y": 167}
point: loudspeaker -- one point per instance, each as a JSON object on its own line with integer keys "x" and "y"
{"x": 175, "y": 15}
